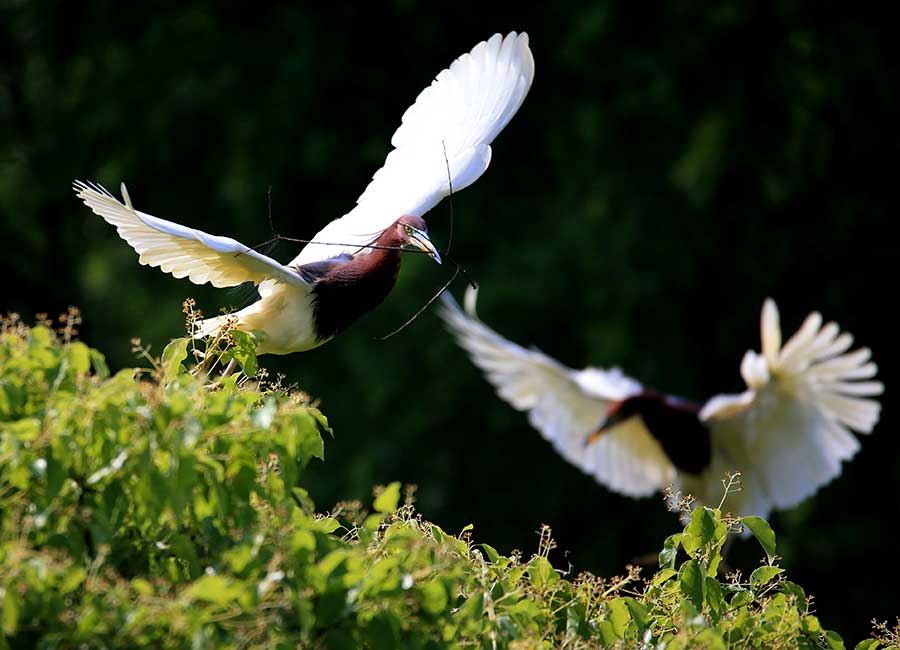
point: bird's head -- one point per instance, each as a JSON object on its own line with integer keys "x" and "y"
{"x": 413, "y": 231}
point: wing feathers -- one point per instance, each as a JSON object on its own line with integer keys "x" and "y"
{"x": 566, "y": 406}
{"x": 791, "y": 430}
{"x": 444, "y": 139}
{"x": 183, "y": 251}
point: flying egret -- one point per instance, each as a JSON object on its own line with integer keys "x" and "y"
{"x": 787, "y": 433}
{"x": 351, "y": 265}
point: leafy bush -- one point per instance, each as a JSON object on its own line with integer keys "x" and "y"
{"x": 153, "y": 508}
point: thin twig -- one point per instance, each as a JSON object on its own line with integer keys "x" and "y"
{"x": 423, "y": 308}
{"x": 450, "y": 200}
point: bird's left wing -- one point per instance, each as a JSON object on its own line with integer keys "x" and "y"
{"x": 566, "y": 405}
{"x": 445, "y": 135}
{"x": 183, "y": 251}
{"x": 790, "y": 431}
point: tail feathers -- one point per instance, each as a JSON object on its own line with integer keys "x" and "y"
{"x": 211, "y": 326}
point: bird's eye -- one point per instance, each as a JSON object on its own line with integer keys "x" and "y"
{"x": 409, "y": 230}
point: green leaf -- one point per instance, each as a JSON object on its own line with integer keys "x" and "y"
{"x": 434, "y": 596}
{"x": 700, "y": 530}
{"x": 473, "y": 608}
{"x": 99, "y": 363}
{"x": 11, "y": 609}
{"x": 692, "y": 580}
{"x": 389, "y": 498}
{"x": 763, "y": 533}
{"x": 244, "y": 352}
{"x": 639, "y": 614}
{"x": 670, "y": 550}
{"x": 763, "y": 575}
{"x": 709, "y": 639}
{"x": 79, "y": 357}
{"x": 792, "y": 589}
{"x": 214, "y": 589}
{"x": 541, "y": 572}
{"x": 714, "y": 598}
{"x": 326, "y": 524}
{"x": 868, "y": 644}
{"x": 491, "y": 552}
{"x": 607, "y": 634}
{"x": 382, "y": 632}
{"x": 663, "y": 574}
{"x": 741, "y": 598}
{"x": 834, "y": 640}
{"x": 172, "y": 357}
{"x": 619, "y": 616}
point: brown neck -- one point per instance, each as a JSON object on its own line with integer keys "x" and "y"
{"x": 351, "y": 288}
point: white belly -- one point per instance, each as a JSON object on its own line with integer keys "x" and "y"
{"x": 282, "y": 319}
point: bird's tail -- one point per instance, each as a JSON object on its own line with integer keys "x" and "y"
{"x": 212, "y": 326}
{"x": 791, "y": 429}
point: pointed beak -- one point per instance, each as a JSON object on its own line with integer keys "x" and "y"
{"x": 419, "y": 239}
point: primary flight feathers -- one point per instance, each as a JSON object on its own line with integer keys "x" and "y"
{"x": 787, "y": 433}
{"x": 444, "y": 139}
{"x": 183, "y": 251}
{"x": 451, "y": 124}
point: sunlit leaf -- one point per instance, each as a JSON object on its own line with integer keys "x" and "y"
{"x": 490, "y": 552}
{"x": 11, "y": 609}
{"x": 761, "y": 576}
{"x": 172, "y": 357}
{"x": 541, "y": 572}
{"x": 434, "y": 596}
{"x": 700, "y": 530}
{"x": 619, "y": 616}
{"x": 216, "y": 589}
{"x": 763, "y": 533}
{"x": 244, "y": 352}
{"x": 389, "y": 498}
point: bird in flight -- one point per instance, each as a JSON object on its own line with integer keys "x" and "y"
{"x": 787, "y": 434}
{"x": 351, "y": 265}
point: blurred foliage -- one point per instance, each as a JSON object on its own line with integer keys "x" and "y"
{"x": 147, "y": 508}
{"x": 673, "y": 164}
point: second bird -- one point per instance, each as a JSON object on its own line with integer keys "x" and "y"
{"x": 787, "y": 434}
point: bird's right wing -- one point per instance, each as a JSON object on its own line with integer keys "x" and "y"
{"x": 444, "y": 139}
{"x": 566, "y": 405}
{"x": 183, "y": 251}
{"x": 790, "y": 431}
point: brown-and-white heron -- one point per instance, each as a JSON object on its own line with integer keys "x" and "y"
{"x": 787, "y": 434}
{"x": 351, "y": 265}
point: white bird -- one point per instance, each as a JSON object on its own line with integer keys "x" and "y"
{"x": 444, "y": 138}
{"x": 787, "y": 433}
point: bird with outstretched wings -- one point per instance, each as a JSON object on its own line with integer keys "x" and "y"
{"x": 443, "y": 144}
{"x": 787, "y": 433}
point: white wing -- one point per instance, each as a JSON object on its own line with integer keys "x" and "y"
{"x": 566, "y": 405}
{"x": 790, "y": 431}
{"x": 452, "y": 123}
{"x": 183, "y": 251}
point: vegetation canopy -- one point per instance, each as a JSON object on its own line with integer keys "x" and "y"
{"x": 152, "y": 507}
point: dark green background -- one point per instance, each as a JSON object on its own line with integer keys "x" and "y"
{"x": 673, "y": 165}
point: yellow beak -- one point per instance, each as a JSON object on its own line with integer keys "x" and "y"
{"x": 420, "y": 240}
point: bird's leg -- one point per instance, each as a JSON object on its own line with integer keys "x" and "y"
{"x": 229, "y": 368}
{"x": 205, "y": 365}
